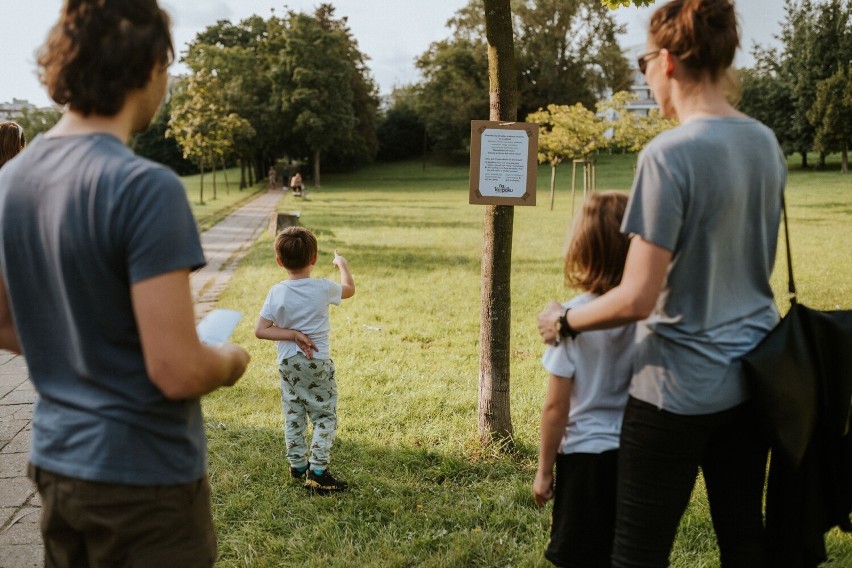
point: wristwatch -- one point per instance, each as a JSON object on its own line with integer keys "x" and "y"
{"x": 563, "y": 328}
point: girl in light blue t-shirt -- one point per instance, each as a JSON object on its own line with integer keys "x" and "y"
{"x": 586, "y": 396}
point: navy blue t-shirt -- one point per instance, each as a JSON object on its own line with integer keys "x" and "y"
{"x": 81, "y": 220}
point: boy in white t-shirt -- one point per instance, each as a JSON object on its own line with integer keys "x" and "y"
{"x": 295, "y": 316}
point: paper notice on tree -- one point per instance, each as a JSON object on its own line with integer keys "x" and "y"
{"x": 216, "y": 327}
{"x": 503, "y": 162}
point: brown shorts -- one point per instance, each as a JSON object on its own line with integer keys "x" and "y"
{"x": 86, "y": 523}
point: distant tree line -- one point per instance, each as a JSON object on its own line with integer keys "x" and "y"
{"x": 297, "y": 87}
{"x": 803, "y": 90}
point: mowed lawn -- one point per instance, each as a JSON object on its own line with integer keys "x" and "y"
{"x": 422, "y": 490}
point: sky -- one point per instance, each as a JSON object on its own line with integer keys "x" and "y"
{"x": 392, "y": 33}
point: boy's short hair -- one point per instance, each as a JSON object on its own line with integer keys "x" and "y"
{"x": 597, "y": 250}
{"x": 100, "y": 50}
{"x": 295, "y": 247}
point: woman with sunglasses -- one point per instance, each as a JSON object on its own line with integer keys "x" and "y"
{"x": 703, "y": 215}
{"x": 12, "y": 141}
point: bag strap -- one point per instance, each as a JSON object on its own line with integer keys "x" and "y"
{"x": 791, "y": 285}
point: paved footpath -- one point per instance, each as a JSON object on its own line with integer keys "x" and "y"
{"x": 225, "y": 244}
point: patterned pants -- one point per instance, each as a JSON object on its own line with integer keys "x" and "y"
{"x": 308, "y": 390}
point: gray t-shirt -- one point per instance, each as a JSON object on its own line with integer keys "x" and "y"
{"x": 710, "y": 192}
{"x": 81, "y": 220}
{"x": 600, "y": 363}
{"x": 302, "y": 304}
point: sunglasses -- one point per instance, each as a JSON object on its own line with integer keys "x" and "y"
{"x": 643, "y": 59}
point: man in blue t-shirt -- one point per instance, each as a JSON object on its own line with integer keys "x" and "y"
{"x": 96, "y": 247}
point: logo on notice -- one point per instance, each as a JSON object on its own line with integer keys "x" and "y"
{"x": 502, "y": 189}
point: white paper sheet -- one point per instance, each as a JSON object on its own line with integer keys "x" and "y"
{"x": 216, "y": 327}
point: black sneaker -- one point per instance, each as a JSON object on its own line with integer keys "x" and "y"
{"x": 296, "y": 474}
{"x": 324, "y": 482}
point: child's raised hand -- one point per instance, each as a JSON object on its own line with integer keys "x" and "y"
{"x": 338, "y": 260}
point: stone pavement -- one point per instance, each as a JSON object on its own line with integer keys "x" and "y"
{"x": 225, "y": 244}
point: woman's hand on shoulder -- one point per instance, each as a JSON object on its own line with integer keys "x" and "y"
{"x": 547, "y": 321}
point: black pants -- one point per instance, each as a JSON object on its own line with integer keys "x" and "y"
{"x": 658, "y": 463}
{"x": 583, "y": 510}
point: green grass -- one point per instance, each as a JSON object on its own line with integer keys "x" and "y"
{"x": 228, "y": 196}
{"x": 423, "y": 492}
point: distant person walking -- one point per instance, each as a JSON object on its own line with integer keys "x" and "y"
{"x": 295, "y": 316}
{"x": 296, "y": 184}
{"x": 704, "y": 216}
{"x": 586, "y": 395}
{"x": 12, "y": 141}
{"x": 96, "y": 246}
{"x": 273, "y": 181}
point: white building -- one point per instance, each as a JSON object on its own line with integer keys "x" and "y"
{"x": 645, "y": 101}
{"x": 10, "y": 111}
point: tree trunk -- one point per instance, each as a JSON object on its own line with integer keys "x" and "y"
{"x": 804, "y": 154}
{"x": 215, "y": 195}
{"x": 242, "y": 174}
{"x": 552, "y": 184}
{"x": 201, "y": 185}
{"x": 316, "y": 168}
{"x": 844, "y": 159}
{"x": 494, "y": 416}
{"x": 821, "y": 163}
{"x": 225, "y": 173}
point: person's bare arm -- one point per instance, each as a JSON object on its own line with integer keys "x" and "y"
{"x": 176, "y": 361}
{"x": 554, "y": 417}
{"x": 8, "y": 333}
{"x": 265, "y": 329}
{"x": 644, "y": 273}
{"x": 346, "y": 280}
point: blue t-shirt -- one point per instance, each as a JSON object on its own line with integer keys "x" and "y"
{"x": 81, "y": 220}
{"x": 710, "y": 192}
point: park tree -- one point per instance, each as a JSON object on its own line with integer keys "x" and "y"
{"x": 401, "y": 132}
{"x": 154, "y": 145}
{"x": 767, "y": 96}
{"x": 831, "y": 115}
{"x": 566, "y": 52}
{"x": 452, "y": 93}
{"x": 569, "y": 53}
{"x": 244, "y": 56}
{"x": 201, "y": 125}
{"x": 322, "y": 90}
{"x": 630, "y": 131}
{"x": 281, "y": 75}
{"x": 494, "y": 415}
{"x": 816, "y": 42}
{"x": 567, "y": 133}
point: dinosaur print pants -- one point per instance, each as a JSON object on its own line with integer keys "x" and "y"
{"x": 308, "y": 390}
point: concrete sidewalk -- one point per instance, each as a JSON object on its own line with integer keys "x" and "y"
{"x": 225, "y": 244}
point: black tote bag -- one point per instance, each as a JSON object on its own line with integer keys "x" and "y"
{"x": 801, "y": 373}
